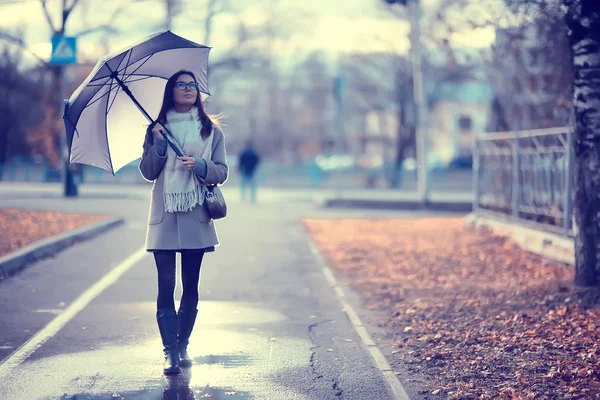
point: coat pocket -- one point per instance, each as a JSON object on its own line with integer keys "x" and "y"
{"x": 202, "y": 214}
{"x": 157, "y": 208}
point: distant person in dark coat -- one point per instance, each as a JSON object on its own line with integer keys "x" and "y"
{"x": 247, "y": 165}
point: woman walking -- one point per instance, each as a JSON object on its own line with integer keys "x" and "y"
{"x": 178, "y": 221}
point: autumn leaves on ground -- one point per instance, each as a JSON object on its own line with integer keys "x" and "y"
{"x": 474, "y": 314}
{"x": 20, "y": 228}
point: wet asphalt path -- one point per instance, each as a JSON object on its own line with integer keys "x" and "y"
{"x": 269, "y": 326}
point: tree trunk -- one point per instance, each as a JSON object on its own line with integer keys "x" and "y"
{"x": 583, "y": 21}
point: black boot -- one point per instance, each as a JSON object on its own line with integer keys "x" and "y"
{"x": 185, "y": 324}
{"x": 167, "y": 325}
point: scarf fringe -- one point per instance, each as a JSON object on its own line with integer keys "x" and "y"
{"x": 183, "y": 202}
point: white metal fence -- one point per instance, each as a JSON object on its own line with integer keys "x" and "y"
{"x": 526, "y": 176}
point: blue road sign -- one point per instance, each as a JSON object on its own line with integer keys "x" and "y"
{"x": 64, "y": 50}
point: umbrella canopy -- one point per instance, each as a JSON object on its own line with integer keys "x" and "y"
{"x": 106, "y": 117}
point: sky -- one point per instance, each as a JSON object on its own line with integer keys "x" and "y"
{"x": 332, "y": 26}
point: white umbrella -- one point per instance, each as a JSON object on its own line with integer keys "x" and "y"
{"x": 106, "y": 117}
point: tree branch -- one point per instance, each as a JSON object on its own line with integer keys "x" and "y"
{"x": 48, "y": 17}
{"x": 73, "y": 4}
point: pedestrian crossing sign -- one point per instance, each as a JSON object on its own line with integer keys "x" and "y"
{"x": 64, "y": 50}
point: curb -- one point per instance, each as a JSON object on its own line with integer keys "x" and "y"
{"x": 398, "y": 205}
{"x": 19, "y": 259}
{"x": 546, "y": 244}
{"x": 380, "y": 361}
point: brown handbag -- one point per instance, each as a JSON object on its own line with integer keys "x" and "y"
{"x": 215, "y": 203}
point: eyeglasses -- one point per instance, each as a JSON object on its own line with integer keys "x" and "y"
{"x": 183, "y": 85}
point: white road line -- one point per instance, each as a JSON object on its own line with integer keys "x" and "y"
{"x": 69, "y": 313}
{"x": 373, "y": 350}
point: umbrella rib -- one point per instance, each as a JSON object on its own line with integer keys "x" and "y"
{"x": 126, "y": 65}
{"x": 133, "y": 73}
{"x": 109, "y": 107}
{"x": 133, "y": 80}
{"x": 112, "y": 169}
{"x": 124, "y": 79}
{"x": 112, "y": 101}
{"x": 99, "y": 98}
{"x": 142, "y": 77}
{"x": 113, "y": 88}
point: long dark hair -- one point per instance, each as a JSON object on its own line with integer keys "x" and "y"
{"x": 208, "y": 122}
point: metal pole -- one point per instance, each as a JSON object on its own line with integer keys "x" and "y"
{"x": 340, "y": 121}
{"x": 420, "y": 106}
{"x": 516, "y": 192}
{"x": 475, "y": 172}
{"x": 69, "y": 186}
{"x": 568, "y": 203}
{"x": 338, "y": 98}
{"x": 337, "y": 117}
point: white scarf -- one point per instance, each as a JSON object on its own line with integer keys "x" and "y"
{"x": 182, "y": 189}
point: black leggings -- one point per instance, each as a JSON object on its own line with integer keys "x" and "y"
{"x": 190, "y": 275}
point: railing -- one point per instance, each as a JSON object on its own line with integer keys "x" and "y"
{"x": 526, "y": 176}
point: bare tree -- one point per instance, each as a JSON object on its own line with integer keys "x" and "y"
{"x": 58, "y": 27}
{"x": 310, "y": 95}
{"x": 531, "y": 73}
{"x": 383, "y": 81}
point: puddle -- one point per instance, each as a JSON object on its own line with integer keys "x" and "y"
{"x": 230, "y": 361}
{"x": 168, "y": 394}
{"x": 177, "y": 388}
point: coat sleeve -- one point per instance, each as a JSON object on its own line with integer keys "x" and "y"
{"x": 153, "y": 159}
{"x": 217, "y": 169}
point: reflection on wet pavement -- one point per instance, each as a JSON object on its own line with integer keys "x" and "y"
{"x": 233, "y": 359}
{"x": 177, "y": 389}
{"x": 225, "y": 361}
{"x": 168, "y": 394}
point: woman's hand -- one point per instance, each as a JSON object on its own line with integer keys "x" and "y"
{"x": 188, "y": 162}
{"x": 158, "y": 131}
